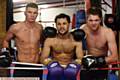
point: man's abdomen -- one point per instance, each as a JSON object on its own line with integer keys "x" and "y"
{"x": 63, "y": 58}
{"x": 30, "y": 56}
{"x": 97, "y": 52}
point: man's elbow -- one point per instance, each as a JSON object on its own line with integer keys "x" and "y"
{"x": 5, "y": 44}
{"x": 115, "y": 58}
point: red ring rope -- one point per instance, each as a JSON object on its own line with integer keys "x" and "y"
{"x": 114, "y": 63}
{"x": 115, "y": 68}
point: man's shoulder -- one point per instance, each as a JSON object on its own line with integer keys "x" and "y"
{"x": 106, "y": 29}
{"x": 85, "y": 28}
{"x": 39, "y": 25}
{"x": 19, "y": 24}
{"x": 50, "y": 41}
{"x": 82, "y": 26}
{"x": 15, "y": 26}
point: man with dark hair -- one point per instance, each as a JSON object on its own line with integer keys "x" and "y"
{"x": 99, "y": 41}
{"x": 63, "y": 16}
{"x": 59, "y": 49}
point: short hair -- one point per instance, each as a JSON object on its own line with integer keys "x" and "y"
{"x": 94, "y": 11}
{"x": 33, "y": 5}
{"x": 62, "y": 15}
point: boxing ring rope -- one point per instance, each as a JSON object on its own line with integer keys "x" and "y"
{"x": 44, "y": 68}
{"x": 31, "y": 68}
{"x": 24, "y": 68}
{"x": 114, "y": 63}
{"x": 115, "y": 68}
{"x": 31, "y": 64}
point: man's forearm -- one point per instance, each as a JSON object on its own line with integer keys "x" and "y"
{"x": 5, "y": 44}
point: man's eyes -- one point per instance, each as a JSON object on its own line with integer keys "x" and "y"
{"x": 62, "y": 23}
{"x": 94, "y": 20}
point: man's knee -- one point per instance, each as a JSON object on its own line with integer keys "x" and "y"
{"x": 54, "y": 69}
{"x": 71, "y": 71}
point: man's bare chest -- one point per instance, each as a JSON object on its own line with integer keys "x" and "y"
{"x": 63, "y": 46}
{"x": 28, "y": 35}
{"x": 98, "y": 41}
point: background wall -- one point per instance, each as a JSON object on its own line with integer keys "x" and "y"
{"x": 2, "y": 20}
{"x": 2, "y": 28}
{"x": 46, "y": 16}
{"x": 2, "y": 17}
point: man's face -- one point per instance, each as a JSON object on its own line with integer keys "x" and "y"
{"x": 93, "y": 22}
{"x": 31, "y": 14}
{"x": 62, "y": 26}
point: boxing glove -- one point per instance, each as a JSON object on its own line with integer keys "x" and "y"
{"x": 5, "y": 59}
{"x": 78, "y": 34}
{"x": 100, "y": 61}
{"x": 55, "y": 71}
{"x": 70, "y": 72}
{"x": 47, "y": 61}
{"x": 49, "y": 32}
{"x": 90, "y": 61}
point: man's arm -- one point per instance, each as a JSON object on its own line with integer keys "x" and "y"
{"x": 78, "y": 36}
{"x": 41, "y": 35}
{"x": 5, "y": 58}
{"x": 49, "y": 33}
{"x": 79, "y": 52}
{"x": 112, "y": 46}
{"x": 8, "y": 37}
{"x": 44, "y": 58}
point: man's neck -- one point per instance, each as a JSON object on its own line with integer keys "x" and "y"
{"x": 95, "y": 32}
{"x": 64, "y": 36}
{"x": 30, "y": 24}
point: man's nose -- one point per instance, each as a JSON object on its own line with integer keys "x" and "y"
{"x": 62, "y": 25}
{"x": 93, "y": 22}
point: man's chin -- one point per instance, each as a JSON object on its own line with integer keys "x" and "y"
{"x": 31, "y": 20}
{"x": 63, "y": 33}
{"x": 94, "y": 29}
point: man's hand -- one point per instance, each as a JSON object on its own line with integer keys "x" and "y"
{"x": 47, "y": 61}
{"x": 90, "y": 61}
{"x": 5, "y": 59}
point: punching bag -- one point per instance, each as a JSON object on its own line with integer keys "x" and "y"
{"x": 80, "y": 18}
{"x": 110, "y": 21}
{"x": 73, "y": 21}
{"x": 87, "y": 5}
{"x": 117, "y": 13}
{"x": 9, "y": 14}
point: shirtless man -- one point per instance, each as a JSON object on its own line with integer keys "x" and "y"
{"x": 27, "y": 36}
{"x": 60, "y": 50}
{"x": 99, "y": 40}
